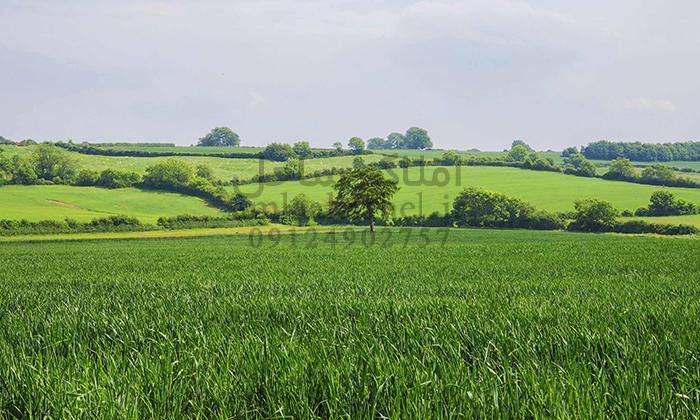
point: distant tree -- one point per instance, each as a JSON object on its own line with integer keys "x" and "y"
{"x": 220, "y": 136}
{"x": 364, "y": 194}
{"x": 356, "y": 144}
{"x": 417, "y": 138}
{"x": 621, "y": 169}
{"x": 338, "y": 146}
{"x": 358, "y": 162}
{"x": 53, "y": 164}
{"x": 664, "y": 203}
{"x": 27, "y": 142}
{"x": 4, "y": 140}
{"x": 168, "y": 174}
{"x": 593, "y": 215}
{"x": 405, "y": 162}
{"x": 292, "y": 169}
{"x": 577, "y": 164}
{"x": 203, "y": 171}
{"x": 521, "y": 143}
{"x": 22, "y": 171}
{"x": 569, "y": 151}
{"x": 658, "y": 174}
{"x": 279, "y": 152}
{"x": 375, "y": 143}
{"x": 395, "y": 141}
{"x": 518, "y": 153}
{"x": 478, "y": 207}
{"x": 301, "y": 211}
{"x": 302, "y": 149}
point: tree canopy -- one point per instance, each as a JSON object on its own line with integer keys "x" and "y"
{"x": 220, "y": 136}
{"x": 364, "y": 194}
{"x": 356, "y": 144}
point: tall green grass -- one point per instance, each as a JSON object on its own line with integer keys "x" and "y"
{"x": 480, "y": 323}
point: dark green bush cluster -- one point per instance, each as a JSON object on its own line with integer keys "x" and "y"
{"x": 104, "y": 224}
{"x": 622, "y": 169}
{"x": 482, "y": 208}
{"x": 641, "y": 226}
{"x": 664, "y": 203}
{"x": 281, "y": 152}
{"x": 46, "y": 165}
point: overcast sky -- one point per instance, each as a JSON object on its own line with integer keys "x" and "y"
{"x": 473, "y": 73}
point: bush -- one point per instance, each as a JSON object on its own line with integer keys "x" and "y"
{"x": 477, "y": 207}
{"x": 301, "y": 211}
{"x": 593, "y": 215}
{"x": 87, "y": 178}
{"x": 641, "y": 226}
{"x": 664, "y": 203}
{"x": 112, "y": 178}
{"x": 279, "y": 152}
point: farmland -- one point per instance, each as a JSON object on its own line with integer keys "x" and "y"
{"x": 475, "y": 323}
{"x": 57, "y": 202}
{"x": 222, "y": 168}
{"x": 434, "y": 188}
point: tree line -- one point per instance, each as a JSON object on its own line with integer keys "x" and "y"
{"x": 643, "y": 152}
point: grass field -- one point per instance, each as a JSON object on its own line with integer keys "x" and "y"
{"x": 478, "y": 323}
{"x": 425, "y": 193}
{"x": 57, "y": 202}
{"x": 187, "y": 149}
{"x": 223, "y": 168}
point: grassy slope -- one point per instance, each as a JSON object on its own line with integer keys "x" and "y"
{"x": 545, "y": 190}
{"x": 189, "y": 149}
{"x": 223, "y": 168}
{"x": 87, "y": 203}
{"x": 495, "y": 324}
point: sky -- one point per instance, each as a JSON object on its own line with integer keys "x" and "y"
{"x": 475, "y": 74}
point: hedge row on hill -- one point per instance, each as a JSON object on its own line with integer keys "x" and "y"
{"x": 188, "y": 221}
{"x": 270, "y": 153}
{"x": 104, "y": 224}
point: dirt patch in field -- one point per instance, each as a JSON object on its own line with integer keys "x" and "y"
{"x": 62, "y": 204}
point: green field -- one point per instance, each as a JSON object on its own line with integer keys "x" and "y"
{"x": 420, "y": 194}
{"x": 223, "y": 168}
{"x": 57, "y": 202}
{"x": 187, "y": 149}
{"x": 478, "y": 323}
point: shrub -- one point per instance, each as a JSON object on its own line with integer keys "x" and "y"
{"x": 301, "y": 211}
{"x": 593, "y": 215}
{"x": 641, "y": 226}
{"x": 279, "y": 152}
{"x": 664, "y": 203}
{"x": 112, "y": 178}
{"x": 87, "y": 178}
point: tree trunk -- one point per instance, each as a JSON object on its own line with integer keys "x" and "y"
{"x": 371, "y": 224}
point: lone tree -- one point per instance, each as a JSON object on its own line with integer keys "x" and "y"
{"x": 364, "y": 194}
{"x": 357, "y": 145}
{"x": 220, "y": 136}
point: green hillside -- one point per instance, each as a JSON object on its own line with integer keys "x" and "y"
{"x": 223, "y": 168}
{"x": 57, "y": 202}
{"x": 545, "y": 190}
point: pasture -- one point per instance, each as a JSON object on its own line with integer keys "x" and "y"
{"x": 223, "y": 168}
{"x": 475, "y": 323}
{"x": 57, "y": 202}
{"x": 427, "y": 189}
